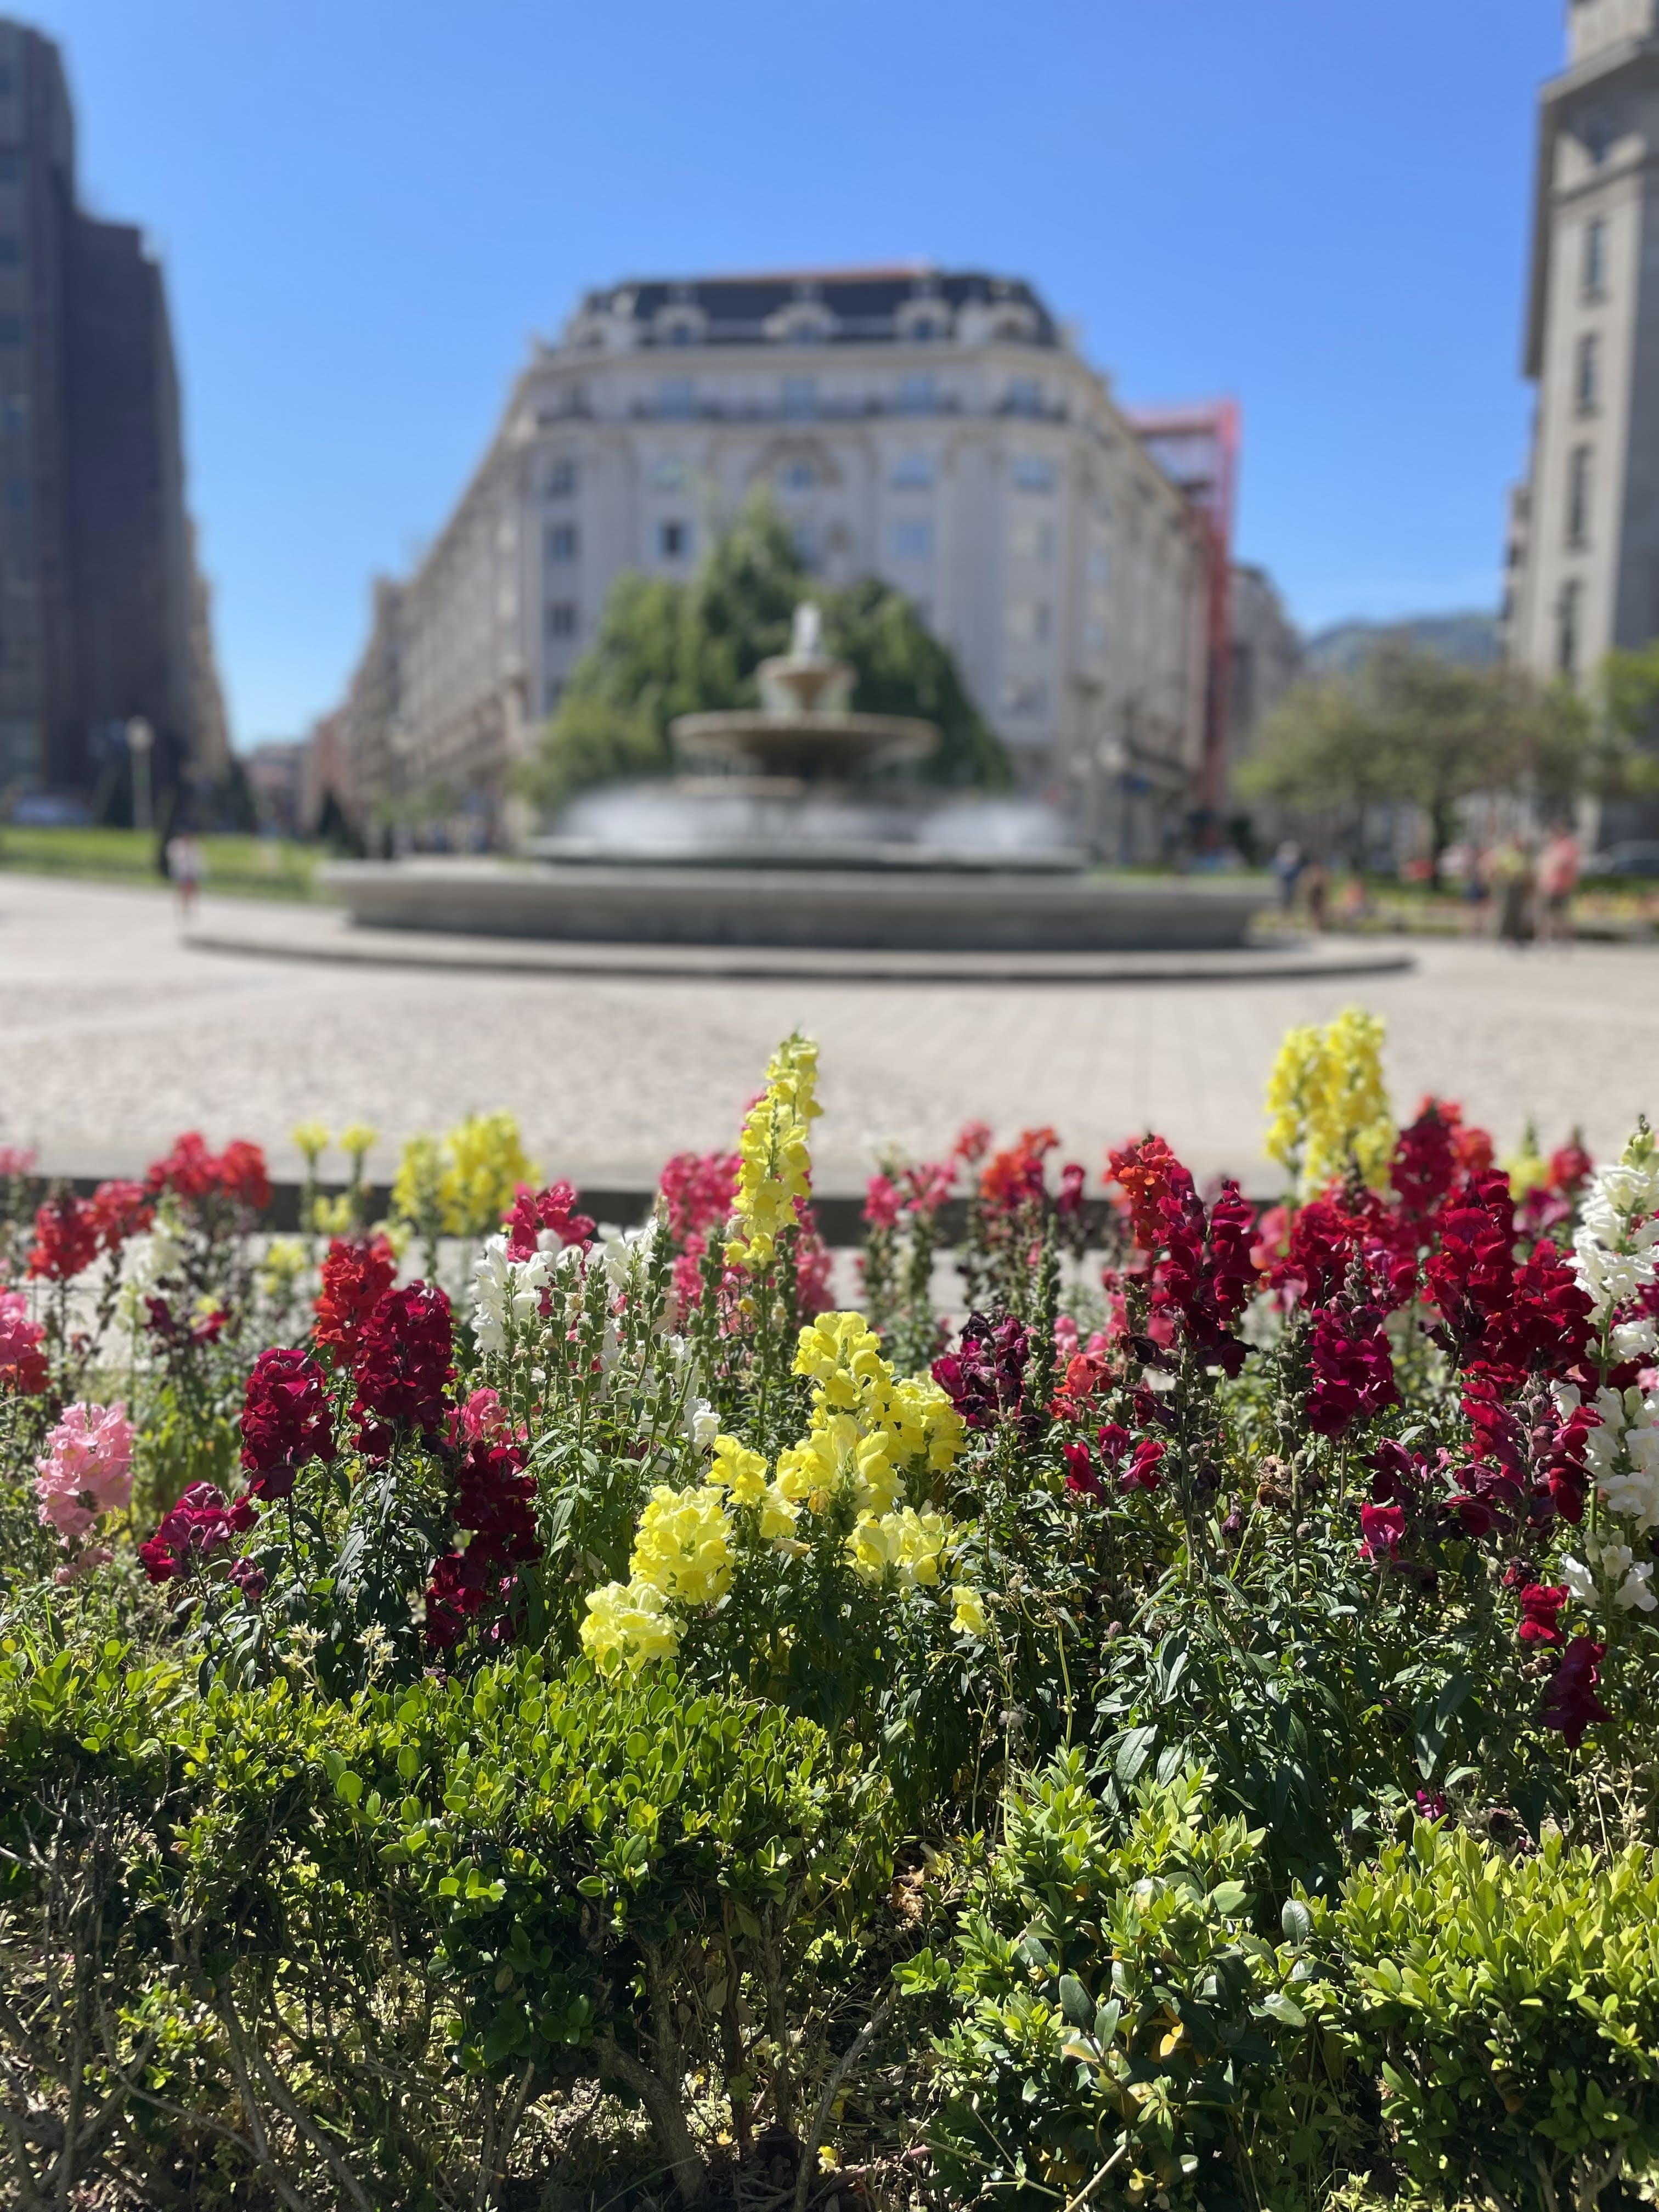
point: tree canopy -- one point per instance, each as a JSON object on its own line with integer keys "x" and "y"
{"x": 1409, "y": 726}
{"x": 665, "y": 648}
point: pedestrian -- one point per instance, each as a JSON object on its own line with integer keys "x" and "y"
{"x": 1316, "y": 889}
{"x": 1558, "y": 868}
{"x": 185, "y": 868}
{"x": 1288, "y": 866}
{"x": 1512, "y": 880}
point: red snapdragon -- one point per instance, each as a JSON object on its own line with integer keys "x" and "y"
{"x": 1572, "y": 1705}
{"x": 403, "y": 1367}
{"x": 356, "y": 1273}
{"x": 202, "y": 1523}
{"x": 286, "y": 1420}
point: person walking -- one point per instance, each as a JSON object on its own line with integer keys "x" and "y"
{"x": 1512, "y": 881}
{"x": 1558, "y": 868}
{"x": 185, "y": 868}
{"x": 1288, "y": 866}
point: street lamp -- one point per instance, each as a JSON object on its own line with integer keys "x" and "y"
{"x": 140, "y": 738}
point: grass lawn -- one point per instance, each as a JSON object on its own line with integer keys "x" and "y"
{"x": 245, "y": 868}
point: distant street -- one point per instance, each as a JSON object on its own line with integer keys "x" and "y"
{"x": 113, "y": 1036}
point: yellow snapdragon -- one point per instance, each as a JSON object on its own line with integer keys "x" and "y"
{"x": 1528, "y": 1169}
{"x": 463, "y": 1184}
{"x": 683, "y": 1548}
{"x": 774, "y": 1157}
{"x": 907, "y": 1547}
{"x": 1327, "y": 1103}
{"x": 626, "y": 1625}
{"x": 968, "y": 1619}
{"x": 311, "y": 1142}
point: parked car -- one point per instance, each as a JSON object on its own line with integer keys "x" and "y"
{"x": 1638, "y": 856}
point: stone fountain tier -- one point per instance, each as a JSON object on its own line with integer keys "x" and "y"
{"x": 800, "y": 749}
{"x": 900, "y": 909}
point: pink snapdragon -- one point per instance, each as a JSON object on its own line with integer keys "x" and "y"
{"x": 86, "y": 1469}
{"x": 22, "y": 1363}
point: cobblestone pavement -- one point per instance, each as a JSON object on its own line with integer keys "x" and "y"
{"x": 115, "y": 1035}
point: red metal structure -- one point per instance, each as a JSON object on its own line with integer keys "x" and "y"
{"x": 1197, "y": 448}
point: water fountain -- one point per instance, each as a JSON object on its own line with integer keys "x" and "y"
{"x": 784, "y": 828}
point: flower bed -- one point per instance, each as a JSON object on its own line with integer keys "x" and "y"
{"x": 499, "y": 1710}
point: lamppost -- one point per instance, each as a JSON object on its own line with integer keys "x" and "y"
{"x": 140, "y": 738}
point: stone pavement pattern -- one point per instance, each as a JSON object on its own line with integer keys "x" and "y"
{"x": 115, "y": 1035}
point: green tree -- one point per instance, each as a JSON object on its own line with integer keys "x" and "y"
{"x": 665, "y": 648}
{"x": 1409, "y": 726}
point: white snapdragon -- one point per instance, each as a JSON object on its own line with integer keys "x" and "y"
{"x": 146, "y": 1262}
{"x": 703, "y": 1425}
{"x": 506, "y": 1294}
{"x": 1614, "y": 1251}
{"x": 1614, "y": 1567}
{"x": 1635, "y": 1340}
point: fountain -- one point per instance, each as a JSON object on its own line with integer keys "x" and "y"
{"x": 780, "y": 830}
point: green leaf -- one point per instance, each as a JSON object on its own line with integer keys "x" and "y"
{"x": 1295, "y": 1920}
{"x": 349, "y": 1786}
{"x": 1074, "y": 2001}
{"x": 1283, "y": 2009}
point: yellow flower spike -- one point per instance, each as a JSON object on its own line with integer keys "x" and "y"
{"x": 735, "y": 1468}
{"x": 683, "y": 1548}
{"x": 968, "y": 1619}
{"x": 775, "y": 1158}
{"x": 484, "y": 1163}
{"x": 417, "y": 1193}
{"x": 1328, "y": 1104}
{"x": 357, "y": 1140}
{"x": 626, "y": 1625}
{"x": 310, "y": 1141}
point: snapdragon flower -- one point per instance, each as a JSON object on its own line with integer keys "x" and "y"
{"x": 683, "y": 1548}
{"x": 1614, "y": 1249}
{"x": 1327, "y": 1103}
{"x": 506, "y": 1294}
{"x": 628, "y": 1625}
{"x": 86, "y": 1469}
{"x": 774, "y": 1176}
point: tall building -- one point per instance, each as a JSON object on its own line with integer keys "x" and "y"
{"x": 102, "y": 616}
{"x": 1582, "y": 551}
{"x": 937, "y": 430}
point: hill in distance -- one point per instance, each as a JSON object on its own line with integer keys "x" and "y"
{"x": 1469, "y": 639}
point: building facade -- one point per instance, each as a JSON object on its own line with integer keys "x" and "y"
{"x": 937, "y": 431}
{"x": 102, "y": 615}
{"x": 1581, "y": 554}
{"x": 1267, "y": 657}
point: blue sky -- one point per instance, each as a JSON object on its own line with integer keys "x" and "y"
{"x": 366, "y": 208}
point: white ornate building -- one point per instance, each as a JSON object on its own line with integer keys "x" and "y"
{"x": 1583, "y": 544}
{"x": 939, "y": 430}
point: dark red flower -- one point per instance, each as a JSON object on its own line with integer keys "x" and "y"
{"x": 1202, "y": 1272}
{"x": 248, "y": 1578}
{"x": 552, "y": 1212}
{"x": 985, "y": 1377}
{"x": 1353, "y": 1369}
{"x": 1572, "y": 1704}
{"x": 403, "y": 1367}
{"x": 1069, "y": 1199}
{"x": 1080, "y": 1475}
{"x": 200, "y": 1524}
{"x": 286, "y": 1420}
{"x": 495, "y": 1503}
{"x": 1142, "y": 1471}
{"x": 356, "y": 1273}
{"x": 1541, "y": 1604}
{"x": 1425, "y": 1163}
{"x": 1382, "y": 1529}
{"x": 66, "y": 1238}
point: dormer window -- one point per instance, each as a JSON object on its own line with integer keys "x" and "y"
{"x": 803, "y": 322}
{"x": 680, "y": 324}
{"x": 923, "y": 321}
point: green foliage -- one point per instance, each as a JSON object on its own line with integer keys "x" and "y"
{"x": 1117, "y": 2018}
{"x": 665, "y": 648}
{"x": 307, "y": 1912}
{"x": 249, "y": 867}
{"x": 1409, "y": 726}
{"x": 1509, "y": 2011}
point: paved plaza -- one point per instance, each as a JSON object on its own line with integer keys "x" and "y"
{"x": 115, "y": 1035}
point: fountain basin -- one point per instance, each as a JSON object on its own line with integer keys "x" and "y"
{"x": 931, "y": 909}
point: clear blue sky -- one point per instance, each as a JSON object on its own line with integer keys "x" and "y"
{"x": 366, "y": 207}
